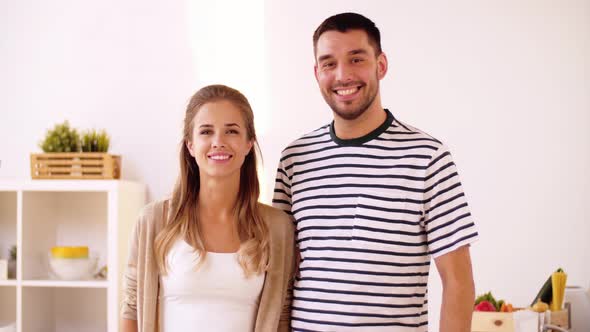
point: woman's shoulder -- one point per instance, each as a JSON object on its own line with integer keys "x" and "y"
{"x": 276, "y": 218}
{"x": 154, "y": 213}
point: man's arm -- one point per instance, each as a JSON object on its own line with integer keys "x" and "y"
{"x": 128, "y": 325}
{"x": 458, "y": 290}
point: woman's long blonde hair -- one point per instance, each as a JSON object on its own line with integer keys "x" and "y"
{"x": 254, "y": 250}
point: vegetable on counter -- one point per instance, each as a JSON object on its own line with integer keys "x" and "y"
{"x": 486, "y": 297}
{"x": 506, "y": 307}
{"x": 558, "y": 280}
{"x": 487, "y": 302}
{"x": 485, "y": 306}
{"x": 540, "y": 306}
{"x": 545, "y": 294}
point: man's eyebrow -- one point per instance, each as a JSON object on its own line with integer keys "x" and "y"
{"x": 358, "y": 51}
{"x": 353, "y": 52}
{"x": 324, "y": 57}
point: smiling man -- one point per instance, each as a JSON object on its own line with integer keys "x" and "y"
{"x": 374, "y": 200}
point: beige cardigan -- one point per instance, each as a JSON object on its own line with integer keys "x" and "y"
{"x": 141, "y": 279}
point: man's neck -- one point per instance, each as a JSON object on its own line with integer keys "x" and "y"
{"x": 370, "y": 120}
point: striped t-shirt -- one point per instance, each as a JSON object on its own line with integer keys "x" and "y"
{"x": 370, "y": 214}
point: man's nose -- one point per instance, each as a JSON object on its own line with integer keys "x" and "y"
{"x": 343, "y": 73}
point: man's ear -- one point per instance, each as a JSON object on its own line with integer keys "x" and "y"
{"x": 381, "y": 65}
{"x": 315, "y": 72}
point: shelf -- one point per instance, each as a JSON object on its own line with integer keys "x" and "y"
{"x": 68, "y": 185}
{"x": 64, "y": 309}
{"x": 37, "y": 215}
{"x": 62, "y": 219}
{"x": 66, "y": 283}
{"x": 10, "y": 282}
{"x": 7, "y": 305}
{"x": 8, "y": 222}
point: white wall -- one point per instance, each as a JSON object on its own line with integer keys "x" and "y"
{"x": 505, "y": 83}
{"x": 125, "y": 66}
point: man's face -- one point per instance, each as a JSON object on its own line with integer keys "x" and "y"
{"x": 348, "y": 71}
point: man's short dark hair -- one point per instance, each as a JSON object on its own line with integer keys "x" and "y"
{"x": 349, "y": 21}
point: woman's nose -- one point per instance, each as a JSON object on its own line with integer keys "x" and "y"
{"x": 218, "y": 141}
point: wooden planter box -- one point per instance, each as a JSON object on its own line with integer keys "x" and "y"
{"x": 76, "y": 165}
{"x": 504, "y": 321}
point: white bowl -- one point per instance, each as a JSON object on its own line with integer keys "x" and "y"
{"x": 73, "y": 268}
{"x": 11, "y": 327}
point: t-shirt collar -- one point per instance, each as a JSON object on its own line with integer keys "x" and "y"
{"x": 363, "y": 139}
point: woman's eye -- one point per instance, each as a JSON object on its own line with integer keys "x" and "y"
{"x": 232, "y": 131}
{"x": 205, "y": 132}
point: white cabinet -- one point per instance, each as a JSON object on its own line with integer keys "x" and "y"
{"x": 39, "y": 214}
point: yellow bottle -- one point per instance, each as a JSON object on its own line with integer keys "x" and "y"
{"x": 558, "y": 281}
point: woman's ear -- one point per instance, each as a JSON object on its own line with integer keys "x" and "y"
{"x": 250, "y": 146}
{"x": 189, "y": 147}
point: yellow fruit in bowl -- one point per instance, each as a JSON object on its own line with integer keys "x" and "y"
{"x": 69, "y": 252}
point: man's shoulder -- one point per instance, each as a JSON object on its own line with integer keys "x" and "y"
{"x": 318, "y": 135}
{"x": 403, "y": 128}
{"x": 403, "y": 132}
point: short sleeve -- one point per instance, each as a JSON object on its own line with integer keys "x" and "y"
{"x": 447, "y": 218}
{"x": 282, "y": 192}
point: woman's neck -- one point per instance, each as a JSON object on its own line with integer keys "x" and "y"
{"x": 218, "y": 197}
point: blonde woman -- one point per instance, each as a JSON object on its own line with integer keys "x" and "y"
{"x": 212, "y": 258}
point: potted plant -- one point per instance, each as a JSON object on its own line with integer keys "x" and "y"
{"x": 61, "y": 138}
{"x": 12, "y": 263}
{"x": 95, "y": 141}
{"x": 69, "y": 155}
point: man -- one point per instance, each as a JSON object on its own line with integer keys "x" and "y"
{"x": 373, "y": 200}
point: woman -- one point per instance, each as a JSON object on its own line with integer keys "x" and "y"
{"x": 211, "y": 258}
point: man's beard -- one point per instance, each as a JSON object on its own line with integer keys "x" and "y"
{"x": 352, "y": 115}
{"x": 362, "y": 108}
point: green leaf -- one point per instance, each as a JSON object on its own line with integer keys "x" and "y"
{"x": 61, "y": 138}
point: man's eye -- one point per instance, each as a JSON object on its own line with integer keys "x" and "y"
{"x": 357, "y": 60}
{"x": 328, "y": 65}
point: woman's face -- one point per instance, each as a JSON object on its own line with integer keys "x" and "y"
{"x": 219, "y": 141}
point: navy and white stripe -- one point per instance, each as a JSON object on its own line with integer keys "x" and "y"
{"x": 370, "y": 214}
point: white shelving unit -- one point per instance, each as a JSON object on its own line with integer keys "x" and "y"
{"x": 39, "y": 214}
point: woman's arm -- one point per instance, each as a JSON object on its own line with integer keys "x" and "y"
{"x": 285, "y": 320}
{"x": 128, "y": 314}
{"x": 293, "y": 258}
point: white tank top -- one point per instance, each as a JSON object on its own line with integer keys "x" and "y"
{"x": 215, "y": 297}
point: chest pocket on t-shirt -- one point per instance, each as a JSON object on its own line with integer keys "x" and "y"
{"x": 386, "y": 222}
